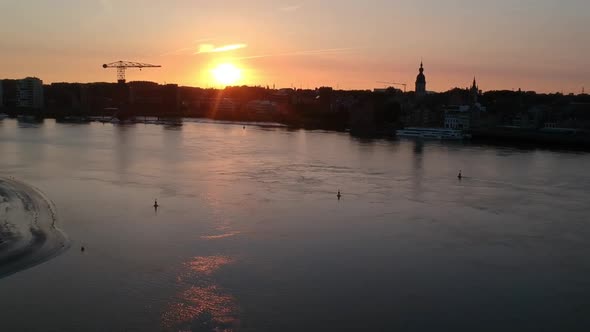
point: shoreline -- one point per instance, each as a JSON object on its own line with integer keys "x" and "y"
{"x": 494, "y": 136}
{"x": 28, "y": 228}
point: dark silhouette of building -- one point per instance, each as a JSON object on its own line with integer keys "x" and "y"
{"x": 474, "y": 92}
{"x": 24, "y": 94}
{"x": 65, "y": 96}
{"x": 421, "y": 82}
{"x": 149, "y": 98}
{"x": 325, "y": 98}
{"x": 9, "y": 93}
{"x": 30, "y": 93}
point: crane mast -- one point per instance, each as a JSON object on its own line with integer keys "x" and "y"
{"x": 121, "y": 66}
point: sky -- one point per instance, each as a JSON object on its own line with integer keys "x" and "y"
{"x": 539, "y": 45}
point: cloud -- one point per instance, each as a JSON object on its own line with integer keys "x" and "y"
{"x": 298, "y": 53}
{"x": 178, "y": 51}
{"x": 290, "y": 8}
{"x": 187, "y": 50}
{"x": 210, "y": 48}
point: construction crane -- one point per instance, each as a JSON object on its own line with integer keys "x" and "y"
{"x": 394, "y": 83}
{"x": 122, "y": 65}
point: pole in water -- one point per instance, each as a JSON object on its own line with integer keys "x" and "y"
{"x": 82, "y": 249}
{"x": 156, "y": 204}
{"x": 339, "y": 195}
{"x": 459, "y": 176}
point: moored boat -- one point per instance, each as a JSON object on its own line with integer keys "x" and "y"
{"x": 432, "y": 133}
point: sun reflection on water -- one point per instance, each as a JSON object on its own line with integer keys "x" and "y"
{"x": 207, "y": 265}
{"x": 202, "y": 305}
{"x": 220, "y": 236}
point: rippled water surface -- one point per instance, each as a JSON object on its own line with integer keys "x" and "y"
{"x": 250, "y": 236}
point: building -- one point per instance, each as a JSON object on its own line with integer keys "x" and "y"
{"x": 224, "y": 105}
{"x": 30, "y": 93}
{"x": 64, "y": 96}
{"x": 421, "y": 82}
{"x": 9, "y": 93}
{"x": 262, "y": 106}
{"x": 466, "y": 115}
{"x": 457, "y": 120}
{"x": 149, "y": 98}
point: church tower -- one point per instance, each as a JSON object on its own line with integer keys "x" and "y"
{"x": 421, "y": 82}
{"x": 474, "y": 92}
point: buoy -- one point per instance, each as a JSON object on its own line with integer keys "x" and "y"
{"x": 156, "y": 204}
{"x": 459, "y": 176}
{"x": 339, "y": 195}
{"x": 82, "y": 249}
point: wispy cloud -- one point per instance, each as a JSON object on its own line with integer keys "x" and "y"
{"x": 299, "y": 53}
{"x": 210, "y": 48}
{"x": 178, "y": 51}
{"x": 188, "y": 50}
{"x": 291, "y": 8}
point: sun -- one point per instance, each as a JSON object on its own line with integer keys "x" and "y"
{"x": 226, "y": 74}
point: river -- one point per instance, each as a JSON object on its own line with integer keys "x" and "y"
{"x": 250, "y": 236}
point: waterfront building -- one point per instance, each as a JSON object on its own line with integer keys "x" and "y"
{"x": 224, "y": 105}
{"x": 30, "y": 93}
{"x": 461, "y": 116}
{"x": 457, "y": 120}
{"x": 261, "y": 106}
{"x": 154, "y": 99}
{"x": 9, "y": 93}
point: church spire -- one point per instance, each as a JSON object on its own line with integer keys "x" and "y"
{"x": 474, "y": 92}
{"x": 421, "y": 82}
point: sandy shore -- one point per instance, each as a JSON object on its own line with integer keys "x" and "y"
{"x": 28, "y": 230}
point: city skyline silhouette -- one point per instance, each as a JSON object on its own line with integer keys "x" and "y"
{"x": 532, "y": 45}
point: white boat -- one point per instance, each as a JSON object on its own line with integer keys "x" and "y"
{"x": 432, "y": 133}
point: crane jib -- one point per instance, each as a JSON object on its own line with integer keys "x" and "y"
{"x": 122, "y": 65}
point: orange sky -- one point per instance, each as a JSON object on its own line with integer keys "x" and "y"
{"x": 534, "y": 45}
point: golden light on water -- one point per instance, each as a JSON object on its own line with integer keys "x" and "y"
{"x": 226, "y": 74}
{"x": 202, "y": 302}
{"x": 208, "y": 264}
{"x": 206, "y": 306}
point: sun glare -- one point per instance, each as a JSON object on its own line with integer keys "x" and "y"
{"x": 226, "y": 74}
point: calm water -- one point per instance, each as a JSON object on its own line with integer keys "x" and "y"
{"x": 249, "y": 235}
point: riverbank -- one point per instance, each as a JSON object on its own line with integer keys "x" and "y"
{"x": 28, "y": 228}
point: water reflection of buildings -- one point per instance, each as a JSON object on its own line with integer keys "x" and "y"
{"x": 124, "y": 153}
{"x": 417, "y": 168}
